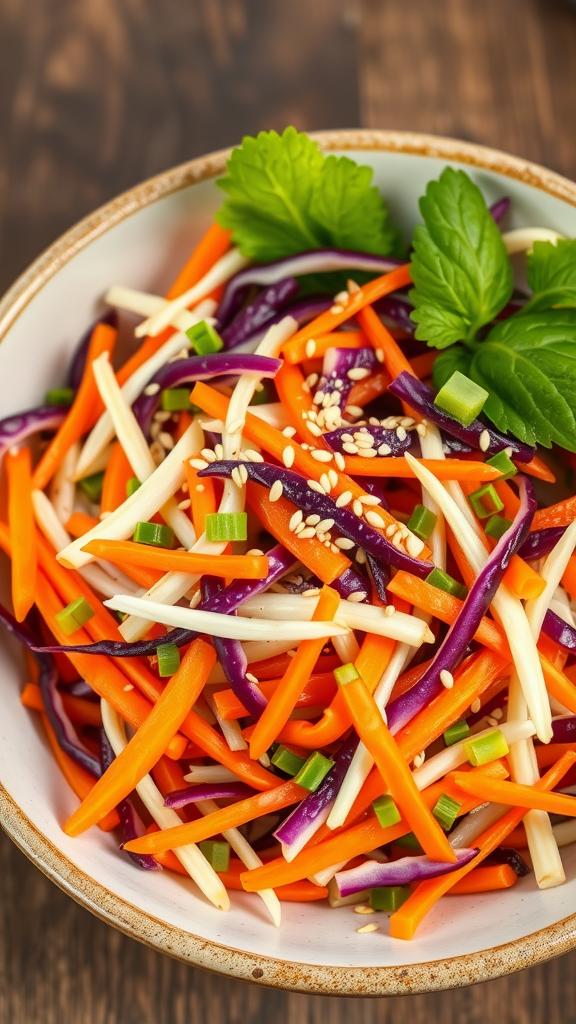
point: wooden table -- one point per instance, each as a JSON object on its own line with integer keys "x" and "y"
{"x": 95, "y": 96}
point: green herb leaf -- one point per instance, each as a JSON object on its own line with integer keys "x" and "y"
{"x": 285, "y": 197}
{"x": 452, "y": 359}
{"x": 460, "y": 267}
{"x": 551, "y": 273}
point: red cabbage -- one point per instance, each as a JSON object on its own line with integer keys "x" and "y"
{"x": 396, "y": 308}
{"x": 540, "y": 543}
{"x": 372, "y": 873}
{"x": 336, "y": 439}
{"x": 208, "y": 791}
{"x": 334, "y": 378}
{"x": 461, "y": 632}
{"x": 411, "y": 390}
{"x": 76, "y": 371}
{"x": 380, "y": 577}
{"x": 564, "y": 729}
{"x": 306, "y": 309}
{"x": 559, "y": 631}
{"x": 511, "y": 857}
{"x": 260, "y": 312}
{"x": 233, "y": 660}
{"x": 499, "y": 208}
{"x": 350, "y": 582}
{"x": 297, "y": 491}
{"x": 17, "y": 428}
{"x": 131, "y": 824}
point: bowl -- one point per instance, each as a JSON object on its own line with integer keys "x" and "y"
{"x": 139, "y": 240}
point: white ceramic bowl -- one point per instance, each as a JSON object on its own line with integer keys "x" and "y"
{"x": 139, "y": 240}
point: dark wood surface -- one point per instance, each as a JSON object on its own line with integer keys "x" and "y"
{"x": 96, "y": 95}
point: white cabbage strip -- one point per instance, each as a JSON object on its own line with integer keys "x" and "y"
{"x": 62, "y": 486}
{"x": 145, "y": 304}
{"x": 200, "y": 773}
{"x": 432, "y": 448}
{"x": 522, "y": 239}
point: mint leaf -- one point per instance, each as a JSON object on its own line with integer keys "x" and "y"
{"x": 285, "y": 197}
{"x": 528, "y": 366}
{"x": 455, "y": 358}
{"x": 551, "y": 274}
{"x": 460, "y": 267}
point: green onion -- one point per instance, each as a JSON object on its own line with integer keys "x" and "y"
{"x": 175, "y": 400}
{"x": 422, "y": 522}
{"x": 485, "y": 501}
{"x": 92, "y": 486}
{"x": 503, "y": 463}
{"x": 60, "y": 396}
{"x": 287, "y": 761}
{"x": 410, "y": 842}
{"x": 443, "y": 581}
{"x": 389, "y": 897}
{"x": 496, "y": 527}
{"x": 226, "y": 526}
{"x": 456, "y": 732}
{"x": 132, "y": 486}
{"x": 204, "y": 338}
{"x": 313, "y": 771}
{"x": 386, "y": 811}
{"x": 74, "y": 616}
{"x": 157, "y": 535}
{"x": 487, "y": 748}
{"x": 461, "y": 398}
{"x": 446, "y": 810}
{"x": 346, "y": 674}
{"x": 217, "y": 853}
{"x": 168, "y": 659}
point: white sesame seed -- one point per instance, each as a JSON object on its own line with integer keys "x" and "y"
{"x": 492, "y": 721}
{"x": 400, "y": 433}
{"x": 475, "y": 706}
{"x": 335, "y": 398}
{"x": 333, "y": 549}
{"x": 357, "y": 507}
{"x": 208, "y": 454}
{"x": 128, "y": 687}
{"x": 344, "y": 543}
{"x": 276, "y": 491}
{"x": 360, "y": 556}
{"x": 368, "y": 453}
{"x": 152, "y": 389}
{"x": 333, "y": 477}
{"x": 447, "y": 679}
{"x": 314, "y": 429}
{"x": 289, "y": 431}
{"x": 183, "y": 505}
{"x": 379, "y": 355}
{"x": 295, "y": 520}
{"x": 200, "y": 488}
{"x": 312, "y": 520}
{"x": 235, "y": 426}
{"x": 342, "y": 298}
{"x": 356, "y": 596}
{"x": 350, "y": 448}
{"x": 322, "y": 456}
{"x": 315, "y": 486}
{"x": 337, "y": 309}
{"x": 374, "y": 519}
{"x": 291, "y": 654}
{"x": 363, "y": 440}
{"x": 305, "y": 447}
{"x": 236, "y": 476}
{"x": 313, "y": 592}
{"x": 251, "y": 678}
{"x": 325, "y": 525}
{"x": 384, "y": 449}
{"x": 310, "y": 414}
{"x": 418, "y": 761}
{"x": 348, "y": 438}
{"x": 253, "y": 456}
{"x": 414, "y": 545}
{"x": 305, "y": 388}
{"x": 358, "y": 373}
{"x": 421, "y": 430}
{"x": 219, "y": 451}
{"x": 389, "y": 610}
{"x": 343, "y": 499}
{"x": 310, "y": 348}
{"x": 497, "y": 714}
{"x": 352, "y": 286}
{"x": 312, "y": 379}
{"x": 407, "y": 421}
{"x": 198, "y": 463}
{"x": 369, "y": 499}
{"x": 354, "y": 410}
{"x": 298, "y": 529}
{"x": 391, "y": 530}
{"x": 339, "y": 460}
{"x": 307, "y": 532}
{"x": 509, "y": 452}
{"x": 397, "y": 540}
{"x": 325, "y": 483}
{"x": 166, "y": 440}
{"x": 484, "y": 441}
{"x": 243, "y": 474}
{"x": 361, "y": 908}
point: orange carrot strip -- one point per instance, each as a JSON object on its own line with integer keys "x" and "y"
{"x": 149, "y": 742}
{"x": 294, "y": 351}
{"x": 79, "y": 524}
{"x": 392, "y": 766}
{"x": 283, "y": 700}
{"x": 244, "y": 567}
{"x": 296, "y": 397}
{"x": 382, "y": 341}
{"x": 487, "y": 879}
{"x": 558, "y": 683}
{"x": 203, "y": 497}
{"x": 509, "y": 497}
{"x": 538, "y": 468}
{"x": 548, "y": 753}
{"x": 184, "y": 421}
{"x": 22, "y": 530}
{"x": 226, "y": 817}
{"x": 85, "y": 410}
{"x": 561, "y": 514}
{"x": 569, "y": 577}
{"x": 338, "y": 339}
{"x": 318, "y": 690}
{"x": 523, "y": 580}
{"x": 85, "y": 712}
{"x": 405, "y": 921}
{"x": 515, "y": 794}
{"x": 76, "y": 776}
{"x": 398, "y": 468}
{"x": 116, "y": 475}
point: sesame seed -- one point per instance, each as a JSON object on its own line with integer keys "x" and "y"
{"x": 291, "y": 654}
{"x": 337, "y": 309}
{"x": 350, "y": 448}
{"x": 363, "y": 440}
{"x": 497, "y": 714}
{"x": 276, "y": 490}
{"x": 310, "y": 414}
{"x": 407, "y": 421}
{"x": 348, "y": 437}
{"x": 358, "y": 373}
{"x": 333, "y": 477}
{"x": 152, "y": 389}
{"x": 305, "y": 388}
{"x": 289, "y": 431}
{"x": 335, "y": 398}
{"x": 344, "y": 543}
{"x": 367, "y": 928}
{"x": 343, "y": 499}
{"x": 200, "y": 488}
{"x": 368, "y": 453}
{"x": 237, "y": 478}
{"x": 313, "y": 592}
{"x": 484, "y": 441}
{"x": 312, "y": 379}
{"x": 219, "y": 451}
{"x": 369, "y": 499}
{"x": 243, "y": 474}
{"x": 389, "y": 610}
{"x": 208, "y": 454}
{"x": 397, "y": 540}
{"x": 475, "y": 706}
{"x": 288, "y": 456}
{"x": 414, "y": 545}
{"x": 299, "y": 528}
{"x": 352, "y": 286}
{"x": 379, "y": 355}
{"x": 354, "y": 410}
{"x": 325, "y": 525}
{"x": 357, "y": 507}
{"x": 360, "y": 556}
{"x": 253, "y": 456}
{"x": 295, "y": 520}
{"x": 509, "y": 452}
{"x": 307, "y": 532}
{"x": 391, "y": 530}
{"x": 356, "y": 596}
{"x": 251, "y": 678}
{"x": 312, "y": 520}
{"x": 166, "y": 440}
{"x": 384, "y": 449}
{"x": 183, "y": 505}
{"x": 342, "y": 297}
{"x": 305, "y": 447}
{"x": 315, "y": 486}
{"x": 421, "y": 430}
{"x": 339, "y": 460}
{"x": 310, "y": 348}
{"x": 400, "y": 433}
{"x": 361, "y": 908}
{"x": 374, "y": 519}
{"x": 314, "y": 429}
{"x": 447, "y": 679}
{"x": 325, "y": 483}
{"x": 235, "y": 426}
{"x": 418, "y": 761}
{"x": 198, "y": 463}
{"x": 128, "y": 687}
{"x": 322, "y": 456}
{"x": 333, "y": 549}
{"x": 491, "y": 720}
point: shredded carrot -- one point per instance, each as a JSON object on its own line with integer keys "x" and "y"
{"x": 184, "y": 421}
{"x": 569, "y": 577}
{"x": 126, "y": 552}
{"x": 318, "y": 690}
{"x": 85, "y": 410}
{"x": 526, "y": 583}
{"x": 558, "y": 684}
{"x": 561, "y": 514}
{"x": 548, "y": 753}
{"x": 398, "y": 468}
{"x": 515, "y": 795}
{"x": 538, "y": 468}
{"x": 84, "y": 712}
{"x": 76, "y": 776}
{"x": 509, "y": 498}
{"x": 22, "y": 530}
{"x": 116, "y": 475}
{"x": 203, "y": 497}
{"x": 80, "y": 523}
{"x": 487, "y": 879}
{"x": 382, "y": 341}
{"x": 296, "y": 398}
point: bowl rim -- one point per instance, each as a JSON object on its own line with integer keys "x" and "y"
{"x": 438, "y": 975}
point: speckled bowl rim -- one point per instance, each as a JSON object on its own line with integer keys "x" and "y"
{"x": 433, "y": 976}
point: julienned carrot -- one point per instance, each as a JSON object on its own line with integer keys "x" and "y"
{"x": 338, "y": 339}
{"x": 116, "y": 475}
{"x": 561, "y": 514}
{"x": 275, "y": 516}
{"x": 295, "y": 350}
{"x": 150, "y": 741}
{"x": 382, "y": 341}
{"x": 22, "y": 530}
{"x": 558, "y": 684}
{"x": 77, "y": 777}
{"x": 80, "y": 523}
{"x": 85, "y": 712}
{"x": 392, "y": 766}
{"x": 526, "y": 583}
{"x": 184, "y": 420}
{"x": 274, "y": 668}
{"x": 296, "y": 398}
{"x": 486, "y": 879}
{"x": 538, "y": 468}
{"x": 509, "y": 497}
{"x": 244, "y": 567}
{"x": 227, "y": 817}
{"x": 203, "y": 497}
{"x": 398, "y": 469}
{"x": 515, "y": 794}
{"x": 84, "y": 412}
{"x": 365, "y": 391}
{"x": 569, "y": 577}
{"x": 318, "y": 690}
{"x": 283, "y": 700}
{"x": 405, "y": 921}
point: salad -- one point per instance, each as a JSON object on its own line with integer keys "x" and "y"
{"x": 295, "y": 581}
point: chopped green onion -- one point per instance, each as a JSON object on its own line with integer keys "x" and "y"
{"x": 461, "y": 398}
{"x": 503, "y": 463}
{"x": 60, "y": 396}
{"x": 487, "y": 748}
{"x": 287, "y": 761}
{"x": 422, "y": 522}
{"x": 456, "y": 732}
{"x": 168, "y": 659}
{"x": 132, "y": 486}
{"x": 496, "y": 527}
{"x": 226, "y": 526}
{"x": 74, "y": 616}
{"x": 156, "y": 534}
{"x": 389, "y": 897}
{"x": 175, "y": 400}
{"x": 204, "y": 338}
{"x": 485, "y": 501}
{"x": 92, "y": 486}
{"x": 410, "y": 842}
{"x": 443, "y": 581}
{"x": 346, "y": 674}
{"x": 386, "y": 811}
{"x": 313, "y": 771}
{"x": 446, "y": 810}
{"x": 217, "y": 853}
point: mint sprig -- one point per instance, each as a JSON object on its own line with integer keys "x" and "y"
{"x": 551, "y": 274}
